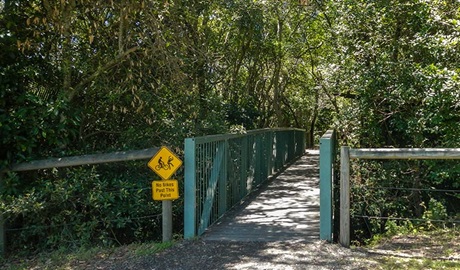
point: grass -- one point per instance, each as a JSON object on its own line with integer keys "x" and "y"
{"x": 416, "y": 264}
{"x": 83, "y": 258}
{"x": 438, "y": 249}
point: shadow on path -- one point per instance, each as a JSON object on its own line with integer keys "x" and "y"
{"x": 284, "y": 209}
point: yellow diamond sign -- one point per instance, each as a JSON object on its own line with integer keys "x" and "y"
{"x": 165, "y": 163}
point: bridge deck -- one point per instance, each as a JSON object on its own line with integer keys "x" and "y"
{"x": 285, "y": 209}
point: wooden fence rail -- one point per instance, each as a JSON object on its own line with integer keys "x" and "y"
{"x": 348, "y": 153}
{"x": 85, "y": 160}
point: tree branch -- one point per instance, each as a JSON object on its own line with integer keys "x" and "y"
{"x": 116, "y": 61}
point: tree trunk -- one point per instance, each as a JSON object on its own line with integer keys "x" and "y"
{"x": 277, "y": 76}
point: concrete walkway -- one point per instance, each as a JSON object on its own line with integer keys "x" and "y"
{"x": 284, "y": 209}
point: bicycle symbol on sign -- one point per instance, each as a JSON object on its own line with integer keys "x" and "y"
{"x": 162, "y": 165}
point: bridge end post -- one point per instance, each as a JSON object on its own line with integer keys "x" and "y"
{"x": 326, "y": 161}
{"x": 189, "y": 189}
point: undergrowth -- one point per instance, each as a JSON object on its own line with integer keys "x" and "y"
{"x": 84, "y": 258}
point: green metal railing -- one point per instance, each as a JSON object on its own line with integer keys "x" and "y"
{"x": 327, "y": 147}
{"x": 220, "y": 170}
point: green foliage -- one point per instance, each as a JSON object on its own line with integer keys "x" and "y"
{"x": 435, "y": 214}
{"x": 392, "y": 228}
{"x": 81, "y": 207}
{"x": 396, "y": 72}
{"x": 244, "y": 114}
{"x": 38, "y": 128}
{"x": 405, "y": 92}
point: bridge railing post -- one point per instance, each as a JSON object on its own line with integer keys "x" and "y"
{"x": 326, "y": 163}
{"x": 190, "y": 189}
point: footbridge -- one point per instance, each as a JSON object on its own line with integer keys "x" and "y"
{"x": 260, "y": 186}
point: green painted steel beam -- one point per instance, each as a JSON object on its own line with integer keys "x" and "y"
{"x": 326, "y": 160}
{"x": 190, "y": 189}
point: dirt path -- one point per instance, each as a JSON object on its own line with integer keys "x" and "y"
{"x": 278, "y": 228}
{"x": 433, "y": 251}
{"x": 201, "y": 255}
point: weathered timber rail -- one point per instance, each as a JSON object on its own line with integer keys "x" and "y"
{"x": 84, "y": 160}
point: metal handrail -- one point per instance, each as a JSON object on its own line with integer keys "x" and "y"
{"x": 220, "y": 170}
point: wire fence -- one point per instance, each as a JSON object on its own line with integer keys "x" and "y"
{"x": 417, "y": 189}
{"x": 369, "y": 200}
{"x": 36, "y": 227}
{"x": 60, "y": 212}
{"x": 420, "y": 190}
{"x": 407, "y": 219}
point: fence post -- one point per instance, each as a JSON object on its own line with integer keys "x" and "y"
{"x": 167, "y": 220}
{"x": 344, "y": 237}
{"x": 189, "y": 189}
{"x": 326, "y": 171}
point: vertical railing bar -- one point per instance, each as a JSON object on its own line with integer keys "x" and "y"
{"x": 277, "y": 152}
{"x": 267, "y": 155}
{"x": 242, "y": 175}
{"x": 210, "y": 158}
{"x": 244, "y": 167}
{"x": 271, "y": 153}
{"x": 212, "y": 150}
{"x": 264, "y": 157}
{"x": 223, "y": 180}
{"x": 230, "y": 172}
{"x": 257, "y": 157}
{"x": 237, "y": 177}
{"x": 202, "y": 180}
{"x": 211, "y": 154}
{"x": 233, "y": 180}
{"x": 198, "y": 179}
{"x": 215, "y": 204}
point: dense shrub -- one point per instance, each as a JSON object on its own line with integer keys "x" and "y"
{"x": 82, "y": 206}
